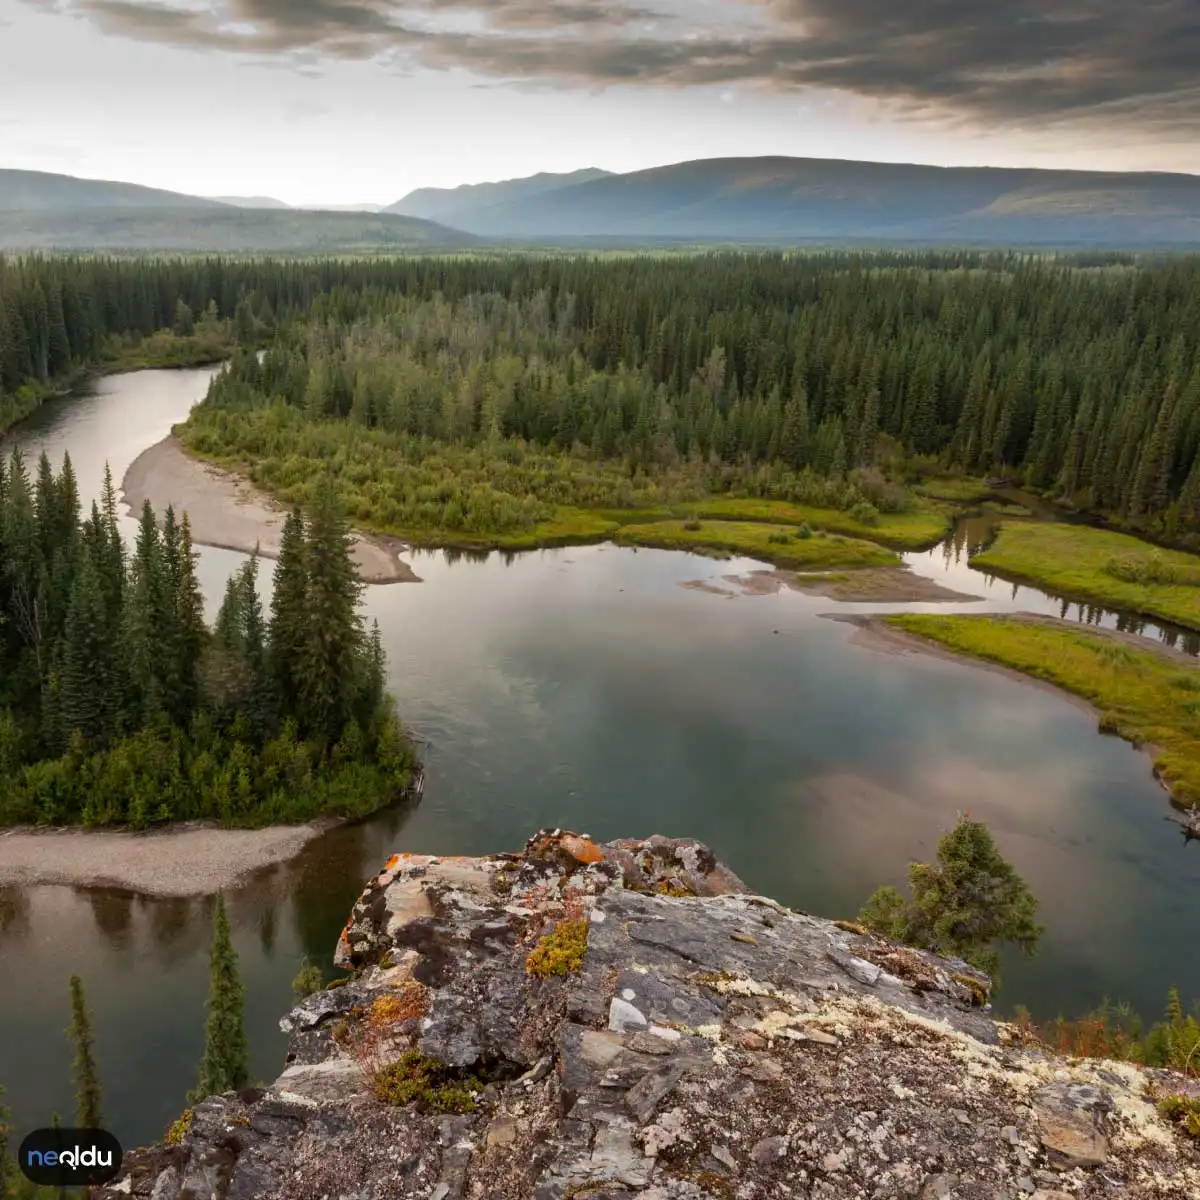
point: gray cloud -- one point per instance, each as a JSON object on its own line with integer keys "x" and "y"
{"x": 1004, "y": 63}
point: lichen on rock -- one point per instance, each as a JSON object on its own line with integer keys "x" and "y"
{"x": 700, "y": 1043}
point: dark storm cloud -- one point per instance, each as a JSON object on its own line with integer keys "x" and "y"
{"x": 1015, "y": 63}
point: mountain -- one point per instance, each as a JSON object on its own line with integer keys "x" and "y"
{"x": 359, "y": 208}
{"x": 41, "y": 190}
{"x": 220, "y": 228}
{"x": 796, "y": 199}
{"x": 459, "y": 205}
{"x": 251, "y": 202}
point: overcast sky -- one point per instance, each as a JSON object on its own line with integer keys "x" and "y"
{"x": 344, "y": 101}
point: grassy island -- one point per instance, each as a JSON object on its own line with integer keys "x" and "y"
{"x": 1148, "y": 697}
{"x": 782, "y": 545}
{"x": 1097, "y": 565}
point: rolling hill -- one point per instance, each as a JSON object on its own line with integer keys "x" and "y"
{"x": 44, "y": 191}
{"x": 797, "y": 199}
{"x": 220, "y": 228}
{"x": 453, "y": 206}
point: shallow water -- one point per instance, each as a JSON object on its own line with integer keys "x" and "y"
{"x": 586, "y": 688}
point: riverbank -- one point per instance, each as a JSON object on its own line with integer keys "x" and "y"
{"x": 1098, "y": 566}
{"x": 183, "y": 860}
{"x": 163, "y": 351}
{"x": 227, "y": 511}
{"x": 1147, "y": 694}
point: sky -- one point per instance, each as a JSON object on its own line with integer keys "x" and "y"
{"x": 352, "y": 101}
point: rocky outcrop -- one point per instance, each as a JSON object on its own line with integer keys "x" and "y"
{"x": 593, "y": 1021}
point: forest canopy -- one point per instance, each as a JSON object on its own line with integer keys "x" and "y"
{"x": 479, "y": 395}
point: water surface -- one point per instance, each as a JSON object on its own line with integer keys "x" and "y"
{"x": 585, "y": 688}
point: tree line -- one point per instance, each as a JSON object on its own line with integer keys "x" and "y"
{"x": 1079, "y": 377}
{"x": 773, "y": 375}
{"x": 118, "y": 705}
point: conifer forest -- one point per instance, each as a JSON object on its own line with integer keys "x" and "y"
{"x": 119, "y": 705}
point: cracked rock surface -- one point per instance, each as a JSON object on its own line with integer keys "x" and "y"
{"x": 711, "y": 1045}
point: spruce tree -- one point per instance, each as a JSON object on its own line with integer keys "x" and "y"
{"x": 287, "y": 640}
{"x": 965, "y": 905}
{"x": 87, "y": 1082}
{"x": 86, "y": 684}
{"x": 224, "y": 1066}
{"x": 335, "y": 635}
{"x": 190, "y": 628}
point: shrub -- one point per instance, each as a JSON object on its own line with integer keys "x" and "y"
{"x": 804, "y": 532}
{"x": 865, "y": 513}
{"x": 779, "y": 539}
{"x": 431, "y": 1085}
{"x": 1144, "y": 569}
{"x": 178, "y": 1128}
{"x": 308, "y": 979}
{"x": 1183, "y": 1112}
{"x": 691, "y": 525}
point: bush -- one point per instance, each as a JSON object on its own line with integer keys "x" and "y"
{"x": 779, "y": 539}
{"x": 1145, "y": 569}
{"x": 691, "y": 525}
{"x": 865, "y": 513}
{"x": 804, "y": 532}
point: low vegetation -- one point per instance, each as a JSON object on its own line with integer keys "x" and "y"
{"x": 1097, "y": 565}
{"x": 782, "y": 545}
{"x": 560, "y": 951}
{"x": 1146, "y": 697}
{"x": 1115, "y": 1031}
{"x": 431, "y": 1085}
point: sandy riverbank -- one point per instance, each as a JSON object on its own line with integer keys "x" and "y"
{"x": 229, "y": 512}
{"x": 184, "y": 860}
{"x": 881, "y": 585}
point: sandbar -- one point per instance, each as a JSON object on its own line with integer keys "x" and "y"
{"x": 229, "y": 512}
{"x": 190, "y": 859}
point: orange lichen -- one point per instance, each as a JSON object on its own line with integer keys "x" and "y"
{"x": 582, "y": 849}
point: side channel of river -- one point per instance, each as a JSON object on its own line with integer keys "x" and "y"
{"x": 587, "y": 688}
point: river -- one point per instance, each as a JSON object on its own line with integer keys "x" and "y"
{"x": 585, "y": 688}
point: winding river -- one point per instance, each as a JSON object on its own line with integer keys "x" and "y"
{"x": 586, "y": 688}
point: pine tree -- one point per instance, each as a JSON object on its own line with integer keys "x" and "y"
{"x": 793, "y": 439}
{"x": 87, "y": 1082}
{"x": 191, "y": 630}
{"x": 224, "y": 1066}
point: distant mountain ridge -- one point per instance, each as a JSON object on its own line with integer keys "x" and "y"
{"x": 444, "y": 204}
{"x": 796, "y": 199}
{"x": 772, "y": 200}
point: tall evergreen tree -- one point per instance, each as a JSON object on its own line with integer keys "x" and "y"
{"x": 87, "y": 1082}
{"x": 331, "y": 675}
{"x": 290, "y": 615}
{"x": 225, "y": 1063}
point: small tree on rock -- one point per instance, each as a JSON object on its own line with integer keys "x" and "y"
{"x": 965, "y": 905}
